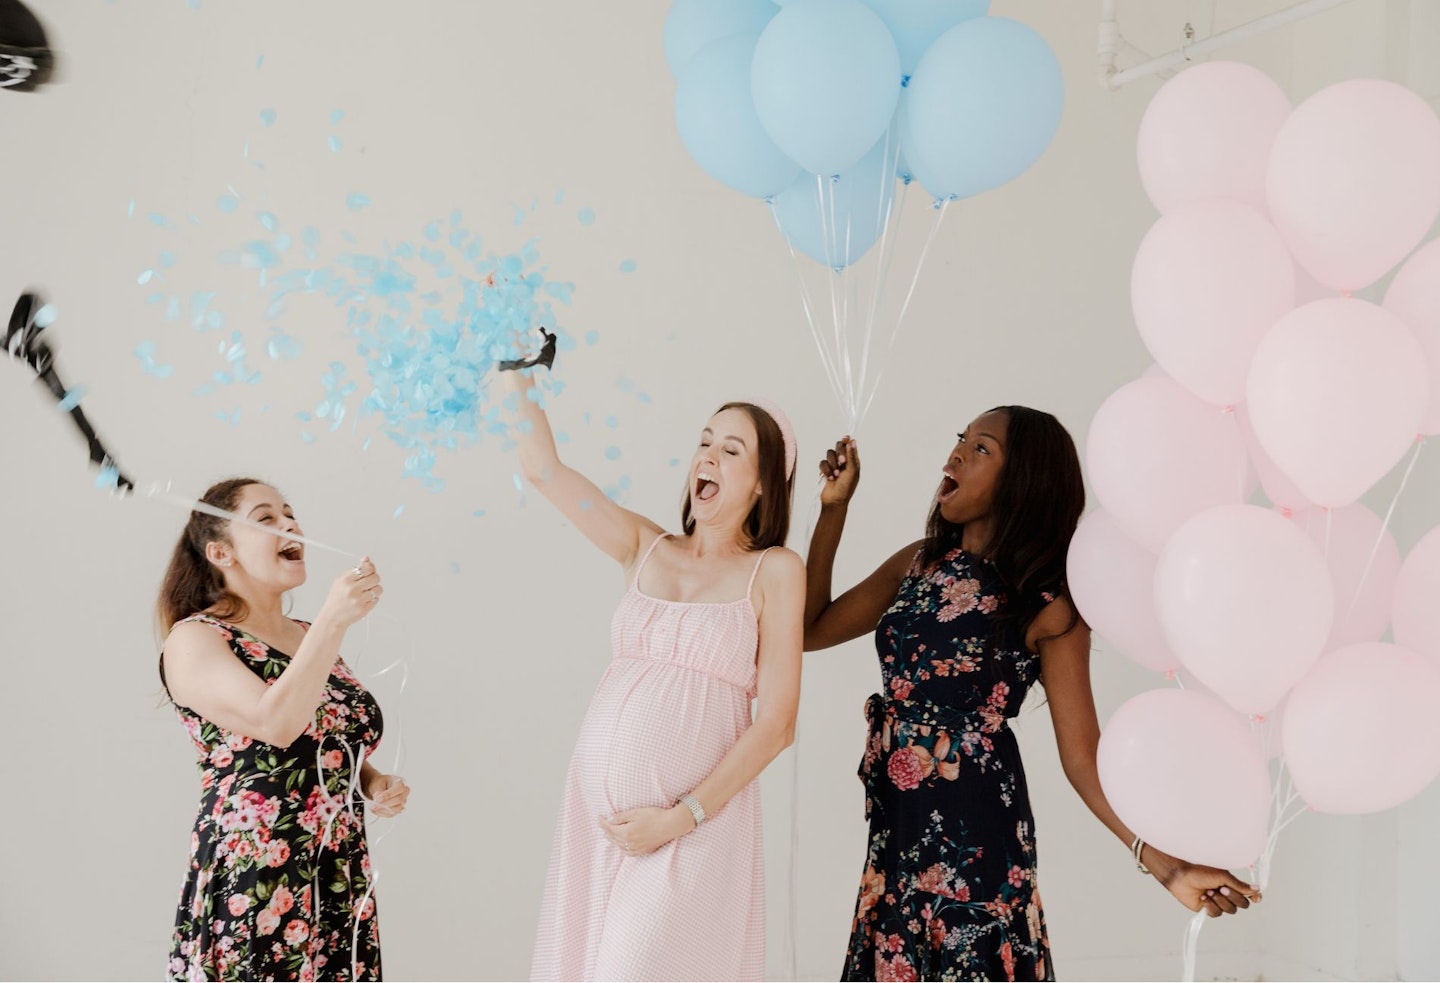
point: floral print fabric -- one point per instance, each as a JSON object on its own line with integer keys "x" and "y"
{"x": 948, "y": 891}
{"x": 279, "y": 876}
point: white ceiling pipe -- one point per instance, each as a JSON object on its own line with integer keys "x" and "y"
{"x": 1111, "y": 43}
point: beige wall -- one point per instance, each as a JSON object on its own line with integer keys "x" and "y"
{"x": 485, "y": 105}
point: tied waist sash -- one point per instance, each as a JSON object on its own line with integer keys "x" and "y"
{"x": 935, "y": 739}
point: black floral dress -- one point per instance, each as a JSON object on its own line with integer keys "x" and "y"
{"x": 279, "y": 881}
{"x": 949, "y": 887}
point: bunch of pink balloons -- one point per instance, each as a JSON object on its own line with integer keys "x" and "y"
{"x": 1270, "y": 374}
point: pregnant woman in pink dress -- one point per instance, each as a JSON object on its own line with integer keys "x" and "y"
{"x": 656, "y": 869}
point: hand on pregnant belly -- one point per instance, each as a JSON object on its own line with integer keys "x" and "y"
{"x": 640, "y": 831}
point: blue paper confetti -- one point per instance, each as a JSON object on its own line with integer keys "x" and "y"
{"x": 72, "y": 399}
{"x": 336, "y": 115}
{"x": 267, "y": 116}
{"x": 428, "y": 325}
{"x": 399, "y": 511}
{"x": 612, "y": 453}
{"x": 627, "y": 266}
{"x": 586, "y": 216}
{"x": 259, "y": 61}
{"x": 335, "y": 145}
{"x": 109, "y": 477}
{"x": 45, "y": 316}
{"x": 281, "y": 346}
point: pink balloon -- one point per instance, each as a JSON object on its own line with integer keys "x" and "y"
{"x": 1245, "y": 601}
{"x": 1362, "y": 607}
{"x": 1112, "y": 580}
{"x": 1252, "y": 478}
{"x": 1416, "y": 613}
{"x": 1207, "y": 134}
{"x": 1185, "y": 772}
{"x": 1156, "y": 455}
{"x": 1361, "y": 731}
{"x": 1308, "y": 289}
{"x": 1279, "y": 489}
{"x": 1209, "y": 280}
{"x": 1336, "y": 393}
{"x": 1354, "y": 180}
{"x": 1414, "y": 296}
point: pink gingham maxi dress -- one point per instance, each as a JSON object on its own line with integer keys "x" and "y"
{"x": 673, "y": 701}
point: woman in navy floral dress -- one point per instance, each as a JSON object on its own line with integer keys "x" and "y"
{"x": 965, "y": 622}
{"x": 279, "y": 881}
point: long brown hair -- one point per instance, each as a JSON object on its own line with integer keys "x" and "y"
{"x": 1039, "y": 497}
{"x": 768, "y": 523}
{"x": 192, "y": 583}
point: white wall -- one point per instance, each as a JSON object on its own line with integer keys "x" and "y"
{"x": 484, "y": 105}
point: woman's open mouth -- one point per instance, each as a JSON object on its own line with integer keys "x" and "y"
{"x": 706, "y": 487}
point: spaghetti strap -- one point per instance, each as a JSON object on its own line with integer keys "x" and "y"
{"x": 755, "y": 573}
{"x": 635, "y": 582}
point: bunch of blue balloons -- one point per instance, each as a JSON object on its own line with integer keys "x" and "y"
{"x": 775, "y": 99}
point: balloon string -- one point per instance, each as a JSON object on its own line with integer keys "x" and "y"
{"x": 825, "y": 192}
{"x": 940, "y": 209}
{"x": 884, "y": 211}
{"x": 357, "y": 761}
{"x": 808, "y": 306}
{"x": 1190, "y": 946}
{"x": 792, "y": 866}
{"x": 162, "y": 494}
{"x": 1384, "y": 525}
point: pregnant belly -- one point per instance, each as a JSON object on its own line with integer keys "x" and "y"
{"x": 654, "y": 732}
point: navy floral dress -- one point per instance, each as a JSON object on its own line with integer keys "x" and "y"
{"x": 278, "y": 885}
{"x": 948, "y": 891}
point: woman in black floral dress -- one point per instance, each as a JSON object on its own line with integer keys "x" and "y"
{"x": 279, "y": 883}
{"x": 965, "y": 621}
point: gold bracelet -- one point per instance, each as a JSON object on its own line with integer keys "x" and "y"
{"x": 1136, "y": 848}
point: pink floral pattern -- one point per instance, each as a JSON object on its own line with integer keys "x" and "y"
{"x": 949, "y": 886}
{"x": 279, "y": 865}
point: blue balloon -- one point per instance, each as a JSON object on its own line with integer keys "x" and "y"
{"x": 835, "y": 220}
{"x": 915, "y": 24}
{"x": 982, "y": 107}
{"x": 825, "y": 79}
{"x": 716, "y": 119}
{"x": 693, "y": 24}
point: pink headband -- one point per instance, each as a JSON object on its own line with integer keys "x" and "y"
{"x": 787, "y": 432}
